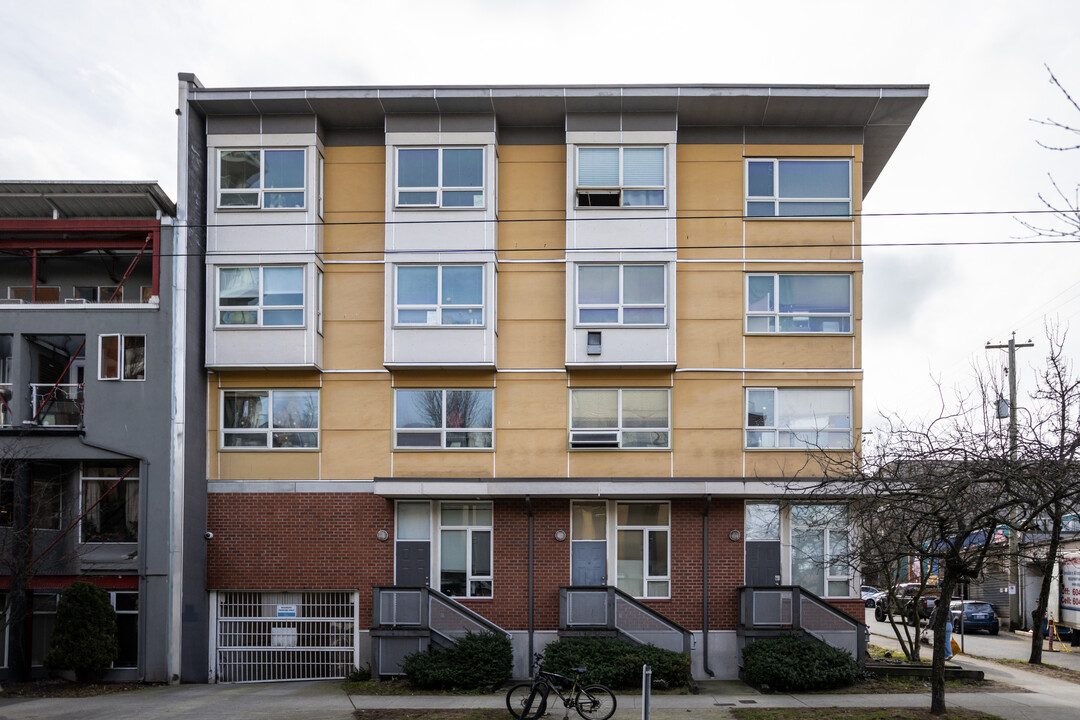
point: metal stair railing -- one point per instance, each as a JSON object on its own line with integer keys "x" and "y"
{"x": 770, "y": 611}
{"x": 585, "y": 608}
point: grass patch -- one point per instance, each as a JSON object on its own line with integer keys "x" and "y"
{"x": 64, "y": 689}
{"x": 804, "y": 713}
{"x": 454, "y": 714}
{"x": 401, "y": 687}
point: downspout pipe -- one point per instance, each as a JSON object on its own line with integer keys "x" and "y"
{"x": 705, "y": 588}
{"x": 529, "y": 658}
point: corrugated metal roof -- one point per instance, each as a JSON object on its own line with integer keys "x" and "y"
{"x": 83, "y": 199}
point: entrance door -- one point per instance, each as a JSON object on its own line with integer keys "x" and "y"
{"x": 412, "y": 546}
{"x": 762, "y": 544}
{"x": 588, "y": 543}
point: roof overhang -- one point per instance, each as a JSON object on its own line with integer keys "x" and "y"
{"x": 66, "y": 200}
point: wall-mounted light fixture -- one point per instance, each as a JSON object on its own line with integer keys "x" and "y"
{"x": 734, "y": 536}
{"x": 382, "y": 536}
{"x": 560, "y": 535}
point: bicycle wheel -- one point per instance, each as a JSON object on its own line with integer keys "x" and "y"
{"x": 595, "y": 702}
{"x": 526, "y": 702}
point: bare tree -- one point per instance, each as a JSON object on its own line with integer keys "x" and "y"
{"x": 1063, "y": 205}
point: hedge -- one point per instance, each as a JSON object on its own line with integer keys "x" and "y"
{"x": 617, "y": 663}
{"x": 794, "y": 664}
{"x": 475, "y": 661}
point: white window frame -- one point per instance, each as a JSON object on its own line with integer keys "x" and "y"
{"x": 121, "y": 365}
{"x": 621, "y": 305}
{"x": 776, "y": 429}
{"x": 442, "y": 431}
{"x": 438, "y": 306}
{"x": 619, "y": 430}
{"x": 645, "y": 530}
{"x": 133, "y": 477}
{"x": 827, "y": 561}
{"x": 101, "y": 293}
{"x": 469, "y": 531}
{"x": 439, "y": 188}
{"x": 778, "y": 201}
{"x": 260, "y": 306}
{"x": 776, "y": 313}
{"x": 261, "y": 190}
{"x": 619, "y": 189}
{"x": 112, "y": 599}
{"x": 270, "y": 429}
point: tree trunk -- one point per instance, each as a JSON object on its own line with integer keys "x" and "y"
{"x": 941, "y": 616}
{"x": 1049, "y": 568}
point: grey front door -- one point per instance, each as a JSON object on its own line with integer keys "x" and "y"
{"x": 412, "y": 566}
{"x": 763, "y": 562}
{"x": 588, "y": 562}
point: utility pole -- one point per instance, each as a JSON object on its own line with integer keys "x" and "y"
{"x": 1014, "y": 532}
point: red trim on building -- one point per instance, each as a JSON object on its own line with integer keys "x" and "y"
{"x": 59, "y": 582}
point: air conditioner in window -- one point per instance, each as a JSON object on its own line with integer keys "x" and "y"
{"x": 78, "y": 300}
{"x": 592, "y": 439}
{"x": 599, "y": 198}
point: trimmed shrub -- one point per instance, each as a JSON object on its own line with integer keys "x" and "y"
{"x": 616, "y": 662}
{"x": 84, "y": 637}
{"x": 794, "y": 664}
{"x": 478, "y": 660}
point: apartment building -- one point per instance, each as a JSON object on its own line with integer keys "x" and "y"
{"x": 541, "y": 360}
{"x": 93, "y": 351}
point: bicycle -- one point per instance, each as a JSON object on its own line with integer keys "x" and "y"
{"x": 528, "y": 701}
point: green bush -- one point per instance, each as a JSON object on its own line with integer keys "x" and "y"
{"x": 793, "y": 664}
{"x": 84, "y": 637}
{"x": 478, "y": 660}
{"x": 616, "y": 662}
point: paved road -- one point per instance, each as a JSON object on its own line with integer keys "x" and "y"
{"x": 1006, "y": 645}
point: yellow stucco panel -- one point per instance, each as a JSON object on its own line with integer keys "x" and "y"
{"x": 713, "y": 187}
{"x": 810, "y": 239}
{"x": 606, "y": 377}
{"x": 532, "y": 292}
{"x": 353, "y": 345}
{"x": 356, "y": 455}
{"x": 706, "y": 291}
{"x": 620, "y": 463}
{"x": 532, "y": 154}
{"x": 800, "y": 351}
{"x": 531, "y": 453}
{"x": 445, "y": 379}
{"x": 708, "y": 453}
{"x": 787, "y": 464}
{"x": 443, "y": 464}
{"x": 353, "y": 293}
{"x": 276, "y": 465}
{"x": 355, "y": 187}
{"x": 532, "y": 344}
{"x": 753, "y": 150}
{"x": 264, "y": 379}
{"x": 357, "y": 402}
{"x": 532, "y": 186}
{"x": 353, "y": 236}
{"x": 526, "y": 401}
{"x": 709, "y": 343}
{"x": 710, "y": 152}
{"x": 705, "y": 401}
{"x": 710, "y": 234}
{"x": 532, "y": 235}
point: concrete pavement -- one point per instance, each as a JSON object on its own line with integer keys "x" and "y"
{"x": 1036, "y": 698}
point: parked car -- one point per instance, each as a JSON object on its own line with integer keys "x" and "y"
{"x": 910, "y": 601}
{"x": 878, "y": 597}
{"x": 977, "y": 615}
{"x": 869, "y": 593}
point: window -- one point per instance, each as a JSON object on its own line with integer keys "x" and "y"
{"x": 465, "y": 549}
{"x": 620, "y": 177}
{"x": 270, "y": 296}
{"x": 450, "y": 419}
{"x": 798, "y": 303}
{"x": 46, "y": 503}
{"x": 110, "y": 505}
{"x": 261, "y": 179}
{"x": 126, "y": 604}
{"x": 798, "y": 418}
{"x": 620, "y": 295}
{"x": 643, "y": 549}
{"x": 612, "y": 418}
{"x": 132, "y": 348}
{"x": 798, "y": 188}
{"x": 275, "y": 419}
{"x": 440, "y": 177}
{"x": 98, "y": 294}
{"x": 41, "y": 294}
{"x": 819, "y": 549}
{"x": 440, "y": 295}
{"x": 762, "y": 521}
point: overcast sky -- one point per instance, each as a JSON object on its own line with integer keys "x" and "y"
{"x": 88, "y": 91}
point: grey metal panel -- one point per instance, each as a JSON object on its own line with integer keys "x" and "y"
{"x": 412, "y": 563}
{"x": 412, "y": 123}
{"x": 289, "y": 123}
{"x": 709, "y": 135}
{"x": 593, "y": 122}
{"x": 84, "y": 199}
{"x": 762, "y": 562}
{"x": 232, "y": 125}
{"x": 809, "y": 110}
{"x": 636, "y": 121}
{"x": 354, "y": 137}
{"x": 589, "y": 564}
{"x": 468, "y": 122}
{"x": 805, "y": 135}
{"x": 286, "y": 106}
{"x": 531, "y": 136}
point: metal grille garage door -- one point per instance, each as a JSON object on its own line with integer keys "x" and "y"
{"x": 284, "y": 635}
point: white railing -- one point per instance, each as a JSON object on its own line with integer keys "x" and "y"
{"x": 58, "y": 405}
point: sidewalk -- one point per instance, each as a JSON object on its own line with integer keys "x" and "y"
{"x": 1041, "y": 698}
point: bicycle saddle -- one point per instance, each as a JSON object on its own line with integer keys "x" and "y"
{"x": 578, "y": 670}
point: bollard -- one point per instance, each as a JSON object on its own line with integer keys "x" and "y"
{"x": 646, "y": 690}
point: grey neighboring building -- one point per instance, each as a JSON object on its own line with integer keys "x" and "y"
{"x": 100, "y": 352}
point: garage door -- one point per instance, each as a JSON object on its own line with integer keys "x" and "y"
{"x": 265, "y": 636}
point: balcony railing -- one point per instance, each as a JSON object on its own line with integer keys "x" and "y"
{"x": 782, "y": 610}
{"x": 57, "y": 405}
{"x": 605, "y": 608}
